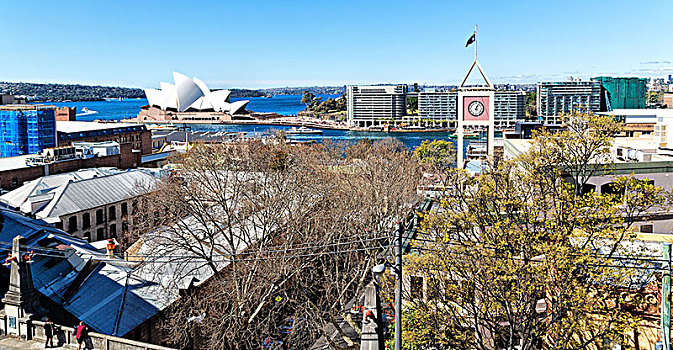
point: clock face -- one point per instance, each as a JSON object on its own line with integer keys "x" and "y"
{"x": 476, "y": 108}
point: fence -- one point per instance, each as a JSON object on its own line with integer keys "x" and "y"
{"x": 34, "y": 330}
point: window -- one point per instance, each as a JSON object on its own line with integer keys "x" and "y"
{"x": 112, "y": 213}
{"x": 87, "y": 236}
{"x": 113, "y": 229}
{"x": 100, "y": 216}
{"x": 100, "y": 234}
{"x": 15, "y": 181}
{"x": 72, "y": 224}
{"x": 125, "y": 227}
{"x": 86, "y": 220}
{"x": 125, "y": 209}
{"x": 612, "y": 188}
{"x": 646, "y": 228}
{"x": 588, "y": 188}
{"x": 433, "y": 287}
{"x": 416, "y": 287}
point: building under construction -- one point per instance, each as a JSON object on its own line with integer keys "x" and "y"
{"x": 622, "y": 93}
{"x": 26, "y": 129}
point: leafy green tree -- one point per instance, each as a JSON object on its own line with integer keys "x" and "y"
{"x": 511, "y": 259}
{"x": 412, "y": 104}
{"x": 437, "y": 153}
{"x": 342, "y": 102}
{"x": 307, "y": 98}
{"x": 531, "y": 104}
{"x": 654, "y": 97}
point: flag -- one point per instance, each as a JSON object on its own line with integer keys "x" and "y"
{"x": 472, "y": 38}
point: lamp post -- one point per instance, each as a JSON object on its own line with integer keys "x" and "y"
{"x": 398, "y": 288}
{"x": 397, "y": 270}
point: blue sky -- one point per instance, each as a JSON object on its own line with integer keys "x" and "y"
{"x": 256, "y": 44}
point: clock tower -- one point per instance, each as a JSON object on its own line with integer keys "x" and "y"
{"x": 476, "y": 106}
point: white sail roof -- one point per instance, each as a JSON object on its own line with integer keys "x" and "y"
{"x": 192, "y": 94}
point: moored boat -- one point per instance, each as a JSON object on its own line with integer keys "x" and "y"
{"x": 303, "y": 131}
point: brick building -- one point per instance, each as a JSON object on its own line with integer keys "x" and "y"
{"x": 66, "y": 113}
{"x": 93, "y": 204}
{"x": 131, "y": 137}
{"x": 15, "y": 171}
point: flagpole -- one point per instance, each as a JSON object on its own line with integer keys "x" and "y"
{"x": 475, "y": 42}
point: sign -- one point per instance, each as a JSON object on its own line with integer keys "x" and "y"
{"x": 476, "y": 108}
{"x": 12, "y": 322}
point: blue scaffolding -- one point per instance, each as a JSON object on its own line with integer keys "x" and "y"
{"x": 26, "y": 131}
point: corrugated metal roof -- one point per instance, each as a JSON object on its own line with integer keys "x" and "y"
{"x": 95, "y": 292}
{"x": 96, "y": 192}
{"x": 29, "y": 190}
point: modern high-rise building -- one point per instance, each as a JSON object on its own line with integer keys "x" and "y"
{"x": 26, "y": 129}
{"x": 375, "y": 106}
{"x": 558, "y": 98}
{"x": 440, "y": 108}
{"x": 510, "y": 107}
{"x": 623, "y": 93}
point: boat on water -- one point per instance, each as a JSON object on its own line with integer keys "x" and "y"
{"x": 303, "y": 131}
{"x": 467, "y": 135}
{"x": 86, "y": 111}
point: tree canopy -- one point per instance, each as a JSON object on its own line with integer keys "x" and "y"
{"x": 524, "y": 256}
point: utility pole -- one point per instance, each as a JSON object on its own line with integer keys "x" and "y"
{"x": 666, "y": 299}
{"x": 398, "y": 288}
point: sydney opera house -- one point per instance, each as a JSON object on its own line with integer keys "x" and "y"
{"x": 189, "y": 99}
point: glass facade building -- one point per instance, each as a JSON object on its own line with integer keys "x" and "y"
{"x": 623, "y": 93}
{"x": 26, "y": 129}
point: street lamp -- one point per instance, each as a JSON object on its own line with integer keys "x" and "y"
{"x": 397, "y": 270}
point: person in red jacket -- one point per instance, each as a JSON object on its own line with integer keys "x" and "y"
{"x": 81, "y": 334}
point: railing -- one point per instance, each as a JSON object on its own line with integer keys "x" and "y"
{"x": 63, "y": 335}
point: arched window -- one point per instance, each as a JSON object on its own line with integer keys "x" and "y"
{"x": 611, "y": 188}
{"x": 588, "y": 188}
{"x": 99, "y": 216}
{"x": 86, "y": 220}
{"x": 72, "y": 224}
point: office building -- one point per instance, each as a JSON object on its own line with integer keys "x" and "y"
{"x": 510, "y": 107}
{"x": 439, "y": 108}
{"x": 668, "y": 100}
{"x": 26, "y": 129}
{"x": 623, "y": 93}
{"x": 376, "y": 106}
{"x": 555, "y": 99}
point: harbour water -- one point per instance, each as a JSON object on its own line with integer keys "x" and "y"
{"x": 281, "y": 104}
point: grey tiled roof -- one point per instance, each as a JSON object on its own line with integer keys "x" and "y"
{"x": 96, "y": 192}
{"x": 108, "y": 295}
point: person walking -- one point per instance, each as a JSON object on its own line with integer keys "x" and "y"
{"x": 81, "y": 332}
{"x": 49, "y": 333}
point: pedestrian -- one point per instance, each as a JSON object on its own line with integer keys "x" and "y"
{"x": 81, "y": 334}
{"x": 49, "y": 333}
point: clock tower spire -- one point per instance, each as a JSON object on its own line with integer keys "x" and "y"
{"x": 476, "y": 105}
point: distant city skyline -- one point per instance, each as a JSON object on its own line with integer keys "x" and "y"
{"x": 265, "y": 44}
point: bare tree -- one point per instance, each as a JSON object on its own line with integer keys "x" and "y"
{"x": 271, "y": 242}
